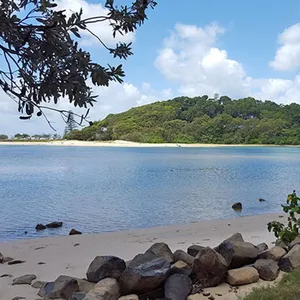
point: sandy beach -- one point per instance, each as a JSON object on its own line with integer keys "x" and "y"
{"x": 119, "y": 143}
{"x": 71, "y": 255}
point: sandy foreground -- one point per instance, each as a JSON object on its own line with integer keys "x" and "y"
{"x": 62, "y": 257}
{"x": 122, "y": 144}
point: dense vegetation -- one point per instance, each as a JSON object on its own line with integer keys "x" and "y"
{"x": 201, "y": 120}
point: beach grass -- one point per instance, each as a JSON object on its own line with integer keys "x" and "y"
{"x": 287, "y": 288}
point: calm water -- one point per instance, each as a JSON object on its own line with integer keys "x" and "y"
{"x": 106, "y": 189}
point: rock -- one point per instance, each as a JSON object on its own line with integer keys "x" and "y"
{"x": 242, "y": 276}
{"x": 161, "y": 250}
{"x": 209, "y": 267}
{"x": 38, "y": 284}
{"x": 261, "y": 200}
{"x": 62, "y": 287}
{"x": 296, "y": 241}
{"x": 129, "y": 297}
{"x": 237, "y": 206}
{"x": 74, "y": 231}
{"x": 15, "y": 262}
{"x": 180, "y": 267}
{"x": 281, "y": 244}
{"x": 40, "y": 227}
{"x": 183, "y": 256}
{"x": 236, "y": 252}
{"x": 18, "y": 298}
{"x": 262, "y": 247}
{"x": 84, "y": 285}
{"x": 7, "y": 259}
{"x": 105, "y": 267}
{"x": 54, "y": 225}
{"x": 106, "y": 289}
{"x": 274, "y": 253}
{"x": 25, "y": 279}
{"x": 206, "y": 294}
{"x": 267, "y": 269}
{"x": 6, "y": 275}
{"x": 194, "y": 249}
{"x": 157, "y": 294}
{"x": 144, "y": 274}
{"x": 1, "y": 258}
{"x": 211, "y": 297}
{"x": 78, "y": 296}
{"x": 178, "y": 287}
{"x": 291, "y": 260}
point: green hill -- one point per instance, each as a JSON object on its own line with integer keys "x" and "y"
{"x": 201, "y": 120}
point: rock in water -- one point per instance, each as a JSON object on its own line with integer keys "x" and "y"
{"x": 180, "y": 267}
{"x": 183, "y": 256}
{"x": 63, "y": 287}
{"x": 144, "y": 274}
{"x": 261, "y": 200}
{"x": 54, "y": 225}
{"x": 242, "y": 276}
{"x": 274, "y": 253}
{"x": 106, "y": 289}
{"x": 209, "y": 267}
{"x": 267, "y": 268}
{"x": 1, "y": 258}
{"x": 25, "y": 279}
{"x": 194, "y": 250}
{"x": 291, "y": 260}
{"x": 105, "y": 267}
{"x": 178, "y": 287}
{"x": 40, "y": 227}
{"x": 74, "y": 231}
{"x": 237, "y": 206}
{"x": 161, "y": 250}
{"x": 262, "y": 247}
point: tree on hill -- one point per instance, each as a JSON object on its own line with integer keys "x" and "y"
{"x": 44, "y": 63}
{"x": 3, "y": 137}
{"x": 21, "y": 136}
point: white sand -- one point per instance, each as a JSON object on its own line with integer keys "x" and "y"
{"x": 62, "y": 258}
{"x": 123, "y": 144}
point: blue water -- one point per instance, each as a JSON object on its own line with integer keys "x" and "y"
{"x": 105, "y": 189}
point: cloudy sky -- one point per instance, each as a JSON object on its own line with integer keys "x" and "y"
{"x": 234, "y": 48}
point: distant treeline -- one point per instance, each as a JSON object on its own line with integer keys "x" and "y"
{"x": 201, "y": 120}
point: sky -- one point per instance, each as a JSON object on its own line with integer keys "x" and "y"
{"x": 189, "y": 48}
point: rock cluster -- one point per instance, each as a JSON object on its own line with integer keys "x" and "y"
{"x": 161, "y": 274}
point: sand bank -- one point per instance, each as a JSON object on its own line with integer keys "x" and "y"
{"x": 62, "y": 257}
{"x": 119, "y": 143}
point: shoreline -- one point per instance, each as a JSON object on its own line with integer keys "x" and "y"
{"x": 121, "y": 143}
{"x": 62, "y": 257}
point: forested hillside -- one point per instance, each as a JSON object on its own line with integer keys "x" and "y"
{"x": 201, "y": 120}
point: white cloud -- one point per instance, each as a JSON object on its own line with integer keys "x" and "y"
{"x": 287, "y": 57}
{"x": 103, "y": 30}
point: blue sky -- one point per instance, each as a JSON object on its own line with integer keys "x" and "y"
{"x": 237, "y": 48}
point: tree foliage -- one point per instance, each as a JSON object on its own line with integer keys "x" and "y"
{"x": 201, "y": 120}
{"x": 44, "y": 62}
{"x": 3, "y": 137}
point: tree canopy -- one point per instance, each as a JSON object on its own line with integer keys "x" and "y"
{"x": 201, "y": 120}
{"x": 39, "y": 45}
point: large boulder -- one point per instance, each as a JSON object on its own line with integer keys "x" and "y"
{"x": 291, "y": 260}
{"x": 54, "y": 225}
{"x": 63, "y": 287}
{"x": 267, "y": 269}
{"x": 106, "y": 289}
{"x": 194, "y": 250}
{"x": 180, "y": 267}
{"x": 183, "y": 256}
{"x": 40, "y": 227}
{"x": 296, "y": 241}
{"x": 262, "y": 247}
{"x": 25, "y": 279}
{"x": 145, "y": 273}
{"x": 161, "y": 250}
{"x": 274, "y": 253}
{"x": 236, "y": 252}
{"x": 178, "y": 287}
{"x": 105, "y": 267}
{"x": 242, "y": 276}
{"x": 209, "y": 267}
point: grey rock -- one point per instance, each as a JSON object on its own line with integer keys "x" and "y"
{"x": 296, "y": 241}
{"x": 38, "y": 284}
{"x": 242, "y": 276}
{"x": 105, "y": 267}
{"x": 209, "y": 267}
{"x": 106, "y": 289}
{"x": 129, "y": 297}
{"x": 54, "y": 225}
{"x": 63, "y": 287}
{"x": 267, "y": 269}
{"x": 275, "y": 253}
{"x": 194, "y": 250}
{"x": 180, "y": 267}
{"x": 237, "y": 206}
{"x": 6, "y": 275}
{"x": 40, "y": 227}
{"x": 161, "y": 250}
{"x": 262, "y": 247}
{"x": 15, "y": 262}
{"x": 236, "y": 237}
{"x": 78, "y": 296}
{"x": 25, "y": 279}
{"x": 178, "y": 287}
{"x": 1, "y": 258}
{"x": 74, "y": 232}
{"x": 183, "y": 256}
{"x": 18, "y": 298}
{"x": 144, "y": 274}
{"x": 7, "y": 259}
{"x": 291, "y": 260}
